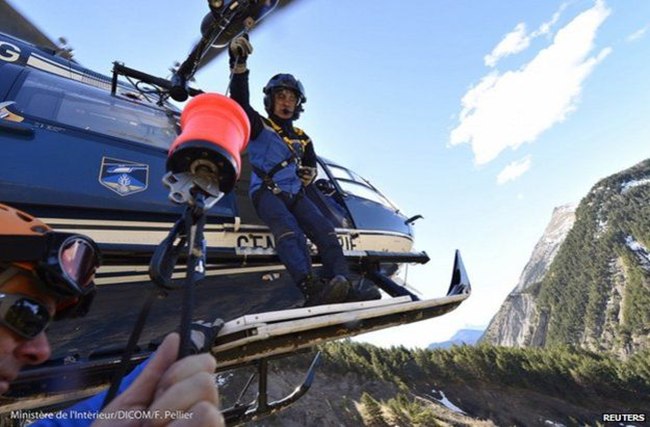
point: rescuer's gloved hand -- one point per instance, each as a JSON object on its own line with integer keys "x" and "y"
{"x": 306, "y": 174}
{"x": 238, "y": 51}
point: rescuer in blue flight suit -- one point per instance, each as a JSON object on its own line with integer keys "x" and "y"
{"x": 284, "y": 162}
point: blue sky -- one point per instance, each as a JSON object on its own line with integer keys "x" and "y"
{"x": 482, "y": 116}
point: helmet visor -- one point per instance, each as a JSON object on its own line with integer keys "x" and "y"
{"x": 69, "y": 266}
{"x": 78, "y": 261}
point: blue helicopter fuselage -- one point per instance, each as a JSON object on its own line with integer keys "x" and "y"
{"x": 90, "y": 160}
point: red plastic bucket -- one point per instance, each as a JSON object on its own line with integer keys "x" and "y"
{"x": 213, "y": 128}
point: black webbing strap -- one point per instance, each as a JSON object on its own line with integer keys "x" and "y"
{"x": 122, "y": 368}
{"x": 267, "y": 177}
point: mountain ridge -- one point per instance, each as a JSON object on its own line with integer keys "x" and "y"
{"x": 593, "y": 289}
{"x": 467, "y": 336}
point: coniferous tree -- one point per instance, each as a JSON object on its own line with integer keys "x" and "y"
{"x": 373, "y": 412}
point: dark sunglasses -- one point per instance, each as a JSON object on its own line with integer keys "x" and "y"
{"x": 23, "y": 315}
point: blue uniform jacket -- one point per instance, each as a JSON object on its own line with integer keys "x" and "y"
{"x": 86, "y": 412}
{"x": 266, "y": 151}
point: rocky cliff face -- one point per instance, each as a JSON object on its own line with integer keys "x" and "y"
{"x": 517, "y": 321}
{"x": 587, "y": 284}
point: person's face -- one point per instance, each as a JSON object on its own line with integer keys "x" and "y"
{"x": 17, "y": 351}
{"x": 285, "y": 102}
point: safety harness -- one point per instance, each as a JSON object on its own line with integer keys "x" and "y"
{"x": 303, "y": 140}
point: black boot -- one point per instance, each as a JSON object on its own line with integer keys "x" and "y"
{"x": 317, "y": 292}
{"x": 339, "y": 289}
{"x": 363, "y": 290}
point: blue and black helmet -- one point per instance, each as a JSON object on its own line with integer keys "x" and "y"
{"x": 284, "y": 81}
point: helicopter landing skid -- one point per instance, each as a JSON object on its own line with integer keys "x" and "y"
{"x": 240, "y": 413}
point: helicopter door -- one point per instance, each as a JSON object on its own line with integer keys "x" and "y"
{"x": 368, "y": 208}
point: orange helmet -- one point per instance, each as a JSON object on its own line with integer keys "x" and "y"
{"x": 63, "y": 263}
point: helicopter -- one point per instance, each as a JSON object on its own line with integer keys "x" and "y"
{"x": 86, "y": 152}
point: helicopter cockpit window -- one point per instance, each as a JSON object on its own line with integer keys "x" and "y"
{"x": 364, "y": 191}
{"x": 339, "y": 172}
{"x": 352, "y": 183}
{"x": 92, "y": 109}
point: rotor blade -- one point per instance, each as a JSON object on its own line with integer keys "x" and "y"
{"x": 14, "y": 23}
{"x": 216, "y": 51}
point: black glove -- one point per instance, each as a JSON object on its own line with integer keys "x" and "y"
{"x": 306, "y": 175}
{"x": 238, "y": 50}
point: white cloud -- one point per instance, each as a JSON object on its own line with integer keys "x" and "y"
{"x": 513, "y": 42}
{"x": 517, "y": 40}
{"x": 506, "y": 110}
{"x": 638, "y": 34}
{"x": 545, "y": 28}
{"x": 514, "y": 170}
